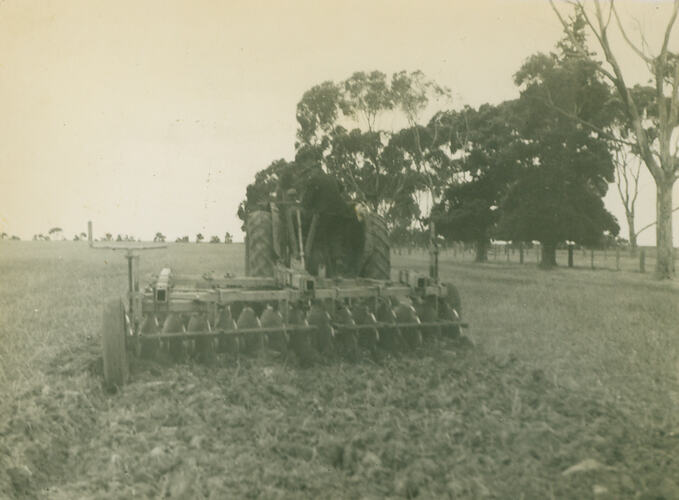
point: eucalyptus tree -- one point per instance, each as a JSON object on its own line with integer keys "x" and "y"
{"x": 652, "y": 112}
{"x": 339, "y": 131}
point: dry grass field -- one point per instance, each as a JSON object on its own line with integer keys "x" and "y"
{"x": 570, "y": 390}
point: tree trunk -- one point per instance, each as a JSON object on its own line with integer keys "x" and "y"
{"x": 664, "y": 264}
{"x": 481, "y": 250}
{"x": 632, "y": 235}
{"x": 548, "y": 259}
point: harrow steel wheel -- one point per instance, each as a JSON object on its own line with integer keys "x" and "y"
{"x": 116, "y": 369}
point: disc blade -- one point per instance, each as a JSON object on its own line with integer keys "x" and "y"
{"x": 405, "y": 314}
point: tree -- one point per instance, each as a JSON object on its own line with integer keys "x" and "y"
{"x": 3, "y": 236}
{"x": 413, "y": 187}
{"x": 627, "y": 183}
{"x": 215, "y": 239}
{"x": 109, "y": 236}
{"x": 551, "y": 205}
{"x": 565, "y": 167}
{"x": 55, "y": 231}
{"x": 15, "y": 238}
{"x": 270, "y": 182}
{"x": 228, "y": 238}
{"x": 338, "y": 131}
{"x": 484, "y": 144}
{"x": 652, "y": 113}
{"x": 413, "y": 92}
{"x": 159, "y": 237}
{"x": 199, "y": 237}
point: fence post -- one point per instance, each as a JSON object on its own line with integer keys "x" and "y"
{"x": 642, "y": 260}
{"x": 521, "y": 252}
{"x": 591, "y": 257}
{"x": 494, "y": 252}
{"x": 537, "y": 252}
{"x": 617, "y": 258}
{"x": 507, "y": 252}
{"x": 570, "y": 255}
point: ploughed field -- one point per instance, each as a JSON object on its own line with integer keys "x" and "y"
{"x": 569, "y": 389}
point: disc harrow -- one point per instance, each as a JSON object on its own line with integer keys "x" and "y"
{"x": 277, "y": 308}
{"x": 306, "y": 329}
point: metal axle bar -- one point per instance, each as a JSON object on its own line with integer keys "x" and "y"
{"x": 371, "y": 326}
{"x": 246, "y": 331}
{"x": 221, "y": 332}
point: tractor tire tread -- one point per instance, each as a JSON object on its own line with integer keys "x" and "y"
{"x": 260, "y": 242}
{"x": 376, "y": 260}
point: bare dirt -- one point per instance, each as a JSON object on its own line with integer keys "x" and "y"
{"x": 448, "y": 422}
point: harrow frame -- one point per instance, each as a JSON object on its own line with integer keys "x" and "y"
{"x": 206, "y": 295}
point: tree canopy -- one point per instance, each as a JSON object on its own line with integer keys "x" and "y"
{"x": 339, "y": 132}
{"x": 485, "y": 147}
{"x": 566, "y": 166}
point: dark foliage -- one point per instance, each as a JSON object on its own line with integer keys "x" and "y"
{"x": 486, "y": 147}
{"x": 557, "y": 194}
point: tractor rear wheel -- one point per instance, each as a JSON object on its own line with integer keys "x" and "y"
{"x": 260, "y": 254}
{"x": 113, "y": 345}
{"x": 375, "y": 260}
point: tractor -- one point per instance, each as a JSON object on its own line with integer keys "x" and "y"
{"x": 318, "y": 281}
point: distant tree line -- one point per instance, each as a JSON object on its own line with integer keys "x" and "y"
{"x": 199, "y": 238}
{"x": 57, "y": 233}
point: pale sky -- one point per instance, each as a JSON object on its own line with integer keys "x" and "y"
{"x": 148, "y": 116}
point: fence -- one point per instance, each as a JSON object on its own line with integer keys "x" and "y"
{"x": 614, "y": 259}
